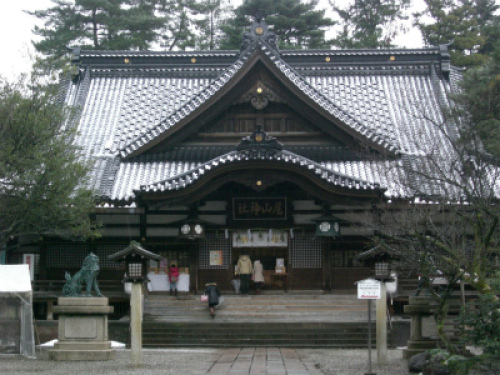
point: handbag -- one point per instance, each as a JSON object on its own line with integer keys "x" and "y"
{"x": 252, "y": 277}
{"x": 204, "y": 298}
{"x": 236, "y": 285}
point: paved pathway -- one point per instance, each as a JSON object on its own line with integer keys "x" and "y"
{"x": 213, "y": 361}
{"x": 259, "y": 361}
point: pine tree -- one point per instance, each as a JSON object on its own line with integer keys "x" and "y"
{"x": 370, "y": 23}
{"x": 297, "y": 24}
{"x": 480, "y": 95}
{"x": 459, "y": 21}
{"x": 213, "y": 13}
{"x": 94, "y": 24}
{"x": 178, "y": 30}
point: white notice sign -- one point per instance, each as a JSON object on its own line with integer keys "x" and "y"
{"x": 368, "y": 289}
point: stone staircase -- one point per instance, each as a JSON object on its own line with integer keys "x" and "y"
{"x": 285, "y": 320}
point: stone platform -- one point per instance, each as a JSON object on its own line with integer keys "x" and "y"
{"x": 83, "y": 329}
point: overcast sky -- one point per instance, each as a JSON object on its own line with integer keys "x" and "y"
{"x": 16, "y": 31}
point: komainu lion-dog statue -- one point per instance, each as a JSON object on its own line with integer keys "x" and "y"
{"x": 87, "y": 275}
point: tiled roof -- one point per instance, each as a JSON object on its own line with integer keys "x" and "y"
{"x": 383, "y": 137}
{"x": 182, "y": 180}
{"x": 183, "y": 167}
{"x": 192, "y": 97}
{"x": 125, "y": 106}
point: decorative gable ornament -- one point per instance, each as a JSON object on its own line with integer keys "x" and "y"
{"x": 259, "y": 31}
{"x": 259, "y": 96}
{"x": 259, "y": 142}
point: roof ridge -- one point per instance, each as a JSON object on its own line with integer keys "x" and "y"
{"x": 362, "y": 51}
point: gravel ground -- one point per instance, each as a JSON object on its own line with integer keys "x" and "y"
{"x": 197, "y": 361}
{"x": 164, "y": 362}
{"x": 354, "y": 362}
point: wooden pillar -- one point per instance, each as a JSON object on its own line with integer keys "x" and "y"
{"x": 143, "y": 225}
{"x": 326, "y": 264}
{"x": 50, "y": 314}
{"x": 42, "y": 271}
{"x": 193, "y": 269}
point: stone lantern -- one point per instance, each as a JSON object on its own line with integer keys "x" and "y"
{"x": 135, "y": 258}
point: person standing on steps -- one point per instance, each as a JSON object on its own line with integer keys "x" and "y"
{"x": 258, "y": 275}
{"x": 173, "y": 277}
{"x": 213, "y": 293}
{"x": 244, "y": 269}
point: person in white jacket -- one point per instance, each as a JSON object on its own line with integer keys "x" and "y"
{"x": 258, "y": 275}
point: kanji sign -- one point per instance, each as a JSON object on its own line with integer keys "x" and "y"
{"x": 368, "y": 289}
{"x": 259, "y": 208}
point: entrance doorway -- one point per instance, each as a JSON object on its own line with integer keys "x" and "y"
{"x": 267, "y": 256}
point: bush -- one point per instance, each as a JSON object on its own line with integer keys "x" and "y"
{"x": 480, "y": 321}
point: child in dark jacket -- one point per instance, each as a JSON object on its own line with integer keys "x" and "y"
{"x": 213, "y": 293}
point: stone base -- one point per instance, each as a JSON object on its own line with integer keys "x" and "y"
{"x": 82, "y": 330}
{"x": 418, "y": 346}
{"x": 82, "y": 355}
{"x": 82, "y": 345}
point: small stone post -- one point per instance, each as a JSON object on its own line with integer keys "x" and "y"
{"x": 382, "y": 325}
{"x": 136, "y": 324}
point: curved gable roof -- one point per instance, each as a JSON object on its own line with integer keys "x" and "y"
{"x": 257, "y": 51}
{"x": 266, "y": 151}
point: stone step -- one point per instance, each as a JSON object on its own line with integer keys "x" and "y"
{"x": 257, "y": 304}
{"x": 259, "y": 343}
{"x": 318, "y": 330}
{"x": 222, "y": 312}
{"x": 247, "y": 308}
{"x": 260, "y": 297}
{"x": 256, "y": 301}
{"x": 217, "y": 334}
{"x": 259, "y": 308}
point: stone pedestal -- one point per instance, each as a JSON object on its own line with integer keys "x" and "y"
{"x": 83, "y": 330}
{"x": 419, "y": 307}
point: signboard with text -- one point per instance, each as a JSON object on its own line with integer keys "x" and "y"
{"x": 216, "y": 257}
{"x": 368, "y": 289}
{"x": 259, "y": 208}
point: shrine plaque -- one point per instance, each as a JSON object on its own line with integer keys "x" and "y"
{"x": 259, "y": 208}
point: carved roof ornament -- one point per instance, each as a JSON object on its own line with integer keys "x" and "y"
{"x": 259, "y": 31}
{"x": 260, "y": 143}
{"x": 260, "y": 96}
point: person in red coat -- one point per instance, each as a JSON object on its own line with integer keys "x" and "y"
{"x": 173, "y": 277}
